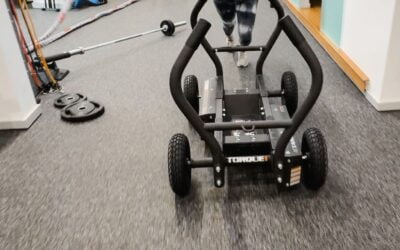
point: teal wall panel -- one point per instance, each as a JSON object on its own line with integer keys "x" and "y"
{"x": 332, "y": 17}
{"x": 297, "y": 2}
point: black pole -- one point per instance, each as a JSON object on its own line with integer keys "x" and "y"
{"x": 278, "y": 7}
{"x": 264, "y": 54}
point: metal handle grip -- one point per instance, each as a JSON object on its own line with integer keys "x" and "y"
{"x": 199, "y": 32}
{"x": 57, "y": 57}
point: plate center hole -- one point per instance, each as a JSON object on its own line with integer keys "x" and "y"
{"x": 70, "y": 98}
{"x": 82, "y": 108}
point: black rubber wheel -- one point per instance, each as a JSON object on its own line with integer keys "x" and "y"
{"x": 179, "y": 171}
{"x": 170, "y": 27}
{"x": 316, "y": 168}
{"x": 289, "y": 86}
{"x": 191, "y": 91}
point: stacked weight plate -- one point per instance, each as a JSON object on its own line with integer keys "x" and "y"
{"x": 77, "y": 108}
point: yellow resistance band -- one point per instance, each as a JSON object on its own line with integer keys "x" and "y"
{"x": 31, "y": 29}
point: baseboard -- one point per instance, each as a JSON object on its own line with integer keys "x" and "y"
{"x": 349, "y": 67}
{"x": 24, "y": 123}
{"x": 382, "y": 106}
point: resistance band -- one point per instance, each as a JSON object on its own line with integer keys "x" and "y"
{"x": 60, "y": 18}
{"x": 55, "y": 37}
{"x": 24, "y": 47}
{"x": 38, "y": 49}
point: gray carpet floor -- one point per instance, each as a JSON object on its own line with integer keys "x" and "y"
{"x": 104, "y": 185}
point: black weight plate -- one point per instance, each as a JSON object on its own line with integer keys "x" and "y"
{"x": 82, "y": 111}
{"x": 68, "y": 99}
{"x": 170, "y": 27}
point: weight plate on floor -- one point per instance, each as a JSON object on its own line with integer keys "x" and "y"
{"x": 82, "y": 111}
{"x": 170, "y": 27}
{"x": 68, "y": 99}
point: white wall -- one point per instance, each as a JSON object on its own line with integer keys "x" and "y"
{"x": 367, "y": 39}
{"x": 391, "y": 90}
{"x": 18, "y": 108}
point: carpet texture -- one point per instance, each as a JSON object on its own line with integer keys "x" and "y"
{"x": 104, "y": 184}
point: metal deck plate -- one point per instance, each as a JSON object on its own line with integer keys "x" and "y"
{"x": 279, "y": 112}
{"x": 208, "y": 99}
{"x": 243, "y": 139}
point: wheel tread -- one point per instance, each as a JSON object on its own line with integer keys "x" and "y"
{"x": 191, "y": 91}
{"x": 179, "y": 172}
{"x": 290, "y": 88}
{"x": 316, "y": 171}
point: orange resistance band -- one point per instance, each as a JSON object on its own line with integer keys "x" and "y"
{"x": 23, "y": 43}
{"x": 28, "y": 20}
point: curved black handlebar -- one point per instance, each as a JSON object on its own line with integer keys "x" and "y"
{"x": 197, "y": 37}
{"x": 278, "y": 7}
{"x": 193, "y": 42}
{"x": 195, "y": 12}
{"x": 199, "y": 32}
{"x": 312, "y": 61}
